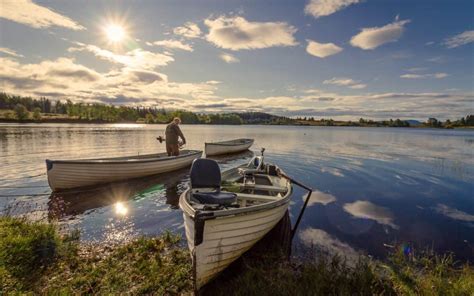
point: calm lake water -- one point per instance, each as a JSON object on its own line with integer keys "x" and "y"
{"x": 374, "y": 187}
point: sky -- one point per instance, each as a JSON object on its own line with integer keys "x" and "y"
{"x": 340, "y": 59}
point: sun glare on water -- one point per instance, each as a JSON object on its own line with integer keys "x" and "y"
{"x": 120, "y": 209}
{"x": 115, "y": 33}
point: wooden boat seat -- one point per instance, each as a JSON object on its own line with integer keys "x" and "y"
{"x": 264, "y": 187}
{"x": 255, "y": 197}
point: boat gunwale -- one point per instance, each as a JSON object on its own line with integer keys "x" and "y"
{"x": 123, "y": 160}
{"x": 229, "y": 143}
{"x": 207, "y": 215}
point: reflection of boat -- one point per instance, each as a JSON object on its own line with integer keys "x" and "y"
{"x": 222, "y": 225}
{"x": 226, "y": 147}
{"x": 66, "y": 174}
{"x": 71, "y": 203}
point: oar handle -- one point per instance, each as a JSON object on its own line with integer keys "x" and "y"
{"x": 293, "y": 180}
{"x": 310, "y": 191}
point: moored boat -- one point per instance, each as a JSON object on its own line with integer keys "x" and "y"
{"x": 227, "y": 147}
{"x": 226, "y": 214}
{"x": 67, "y": 174}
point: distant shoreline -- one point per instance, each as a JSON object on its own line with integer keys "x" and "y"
{"x": 336, "y": 124}
{"x": 20, "y": 109}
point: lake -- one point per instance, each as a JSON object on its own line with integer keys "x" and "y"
{"x": 375, "y": 188}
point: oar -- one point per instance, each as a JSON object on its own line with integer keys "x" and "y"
{"x": 310, "y": 191}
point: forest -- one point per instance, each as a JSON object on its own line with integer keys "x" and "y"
{"x": 26, "y": 109}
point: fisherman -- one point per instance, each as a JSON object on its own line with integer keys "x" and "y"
{"x": 173, "y": 133}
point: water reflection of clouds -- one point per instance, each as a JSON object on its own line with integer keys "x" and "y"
{"x": 367, "y": 210}
{"x": 454, "y": 213}
{"x": 319, "y": 197}
{"x": 333, "y": 171}
{"x": 320, "y": 239}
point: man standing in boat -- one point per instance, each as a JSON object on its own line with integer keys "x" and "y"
{"x": 173, "y": 133}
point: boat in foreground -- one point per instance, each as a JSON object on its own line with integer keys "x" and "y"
{"x": 68, "y": 174}
{"x": 225, "y": 215}
{"x": 227, "y": 147}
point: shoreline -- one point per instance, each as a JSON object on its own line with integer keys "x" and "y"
{"x": 342, "y": 124}
{"x": 161, "y": 265}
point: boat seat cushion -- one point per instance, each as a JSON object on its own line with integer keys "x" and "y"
{"x": 216, "y": 197}
{"x": 205, "y": 173}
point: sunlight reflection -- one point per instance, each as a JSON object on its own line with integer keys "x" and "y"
{"x": 128, "y": 125}
{"x": 120, "y": 209}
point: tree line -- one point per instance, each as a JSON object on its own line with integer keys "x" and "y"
{"x": 27, "y": 108}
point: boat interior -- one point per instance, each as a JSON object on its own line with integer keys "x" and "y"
{"x": 232, "y": 142}
{"x": 247, "y": 185}
{"x": 134, "y": 157}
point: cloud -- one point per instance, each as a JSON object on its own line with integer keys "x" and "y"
{"x": 377, "y": 106}
{"x": 213, "y": 82}
{"x": 454, "y": 213}
{"x": 137, "y": 58}
{"x": 317, "y": 238}
{"x": 322, "y": 50}
{"x": 319, "y": 8}
{"x": 188, "y": 30}
{"x": 11, "y": 52}
{"x": 173, "y": 44}
{"x": 236, "y": 33}
{"x": 423, "y": 76}
{"x": 47, "y": 75}
{"x": 368, "y": 210}
{"x": 416, "y": 69}
{"x": 371, "y": 38}
{"x": 464, "y": 38}
{"x": 438, "y": 59}
{"x": 28, "y": 13}
{"x": 143, "y": 86}
{"x": 228, "y": 58}
{"x": 64, "y": 78}
{"x": 343, "y": 81}
{"x": 144, "y": 76}
{"x": 319, "y": 197}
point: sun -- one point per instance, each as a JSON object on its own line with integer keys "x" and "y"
{"x": 115, "y": 33}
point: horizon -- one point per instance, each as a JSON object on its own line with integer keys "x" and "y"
{"x": 341, "y": 59}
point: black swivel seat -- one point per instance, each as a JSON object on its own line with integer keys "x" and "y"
{"x": 205, "y": 174}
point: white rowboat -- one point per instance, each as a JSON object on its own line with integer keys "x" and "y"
{"x": 227, "y": 147}
{"x": 67, "y": 174}
{"x": 218, "y": 229}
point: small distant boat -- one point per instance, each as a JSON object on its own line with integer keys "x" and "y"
{"x": 225, "y": 215}
{"x": 67, "y": 174}
{"x": 227, "y": 147}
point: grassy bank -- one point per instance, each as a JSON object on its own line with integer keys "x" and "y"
{"x": 427, "y": 274}
{"x": 34, "y": 258}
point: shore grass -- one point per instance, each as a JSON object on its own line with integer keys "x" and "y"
{"x": 36, "y": 259}
{"x": 427, "y": 274}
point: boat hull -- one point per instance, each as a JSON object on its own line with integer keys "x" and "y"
{"x": 212, "y": 149}
{"x": 63, "y": 175}
{"x": 216, "y": 243}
